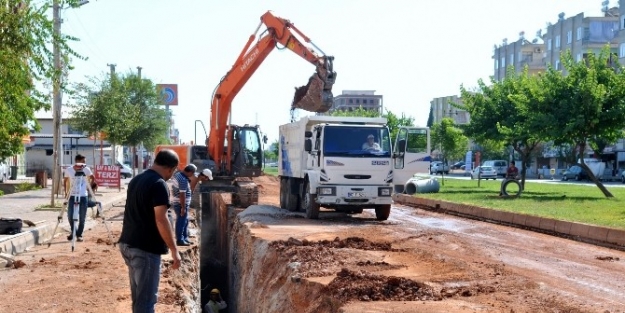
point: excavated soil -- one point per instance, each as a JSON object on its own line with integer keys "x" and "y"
{"x": 417, "y": 261}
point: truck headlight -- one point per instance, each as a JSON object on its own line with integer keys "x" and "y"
{"x": 384, "y": 192}
{"x": 326, "y": 191}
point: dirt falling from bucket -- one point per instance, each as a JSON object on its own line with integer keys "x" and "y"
{"x": 312, "y": 97}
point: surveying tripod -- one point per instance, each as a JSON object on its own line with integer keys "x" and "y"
{"x": 75, "y": 186}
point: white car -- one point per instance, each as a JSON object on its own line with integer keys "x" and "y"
{"x": 437, "y": 167}
{"x": 124, "y": 170}
{"x": 4, "y": 171}
{"x": 485, "y": 172}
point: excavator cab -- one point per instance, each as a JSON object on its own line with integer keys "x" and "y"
{"x": 245, "y": 151}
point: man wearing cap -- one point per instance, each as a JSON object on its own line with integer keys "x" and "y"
{"x": 181, "y": 200}
{"x": 204, "y": 175}
{"x": 215, "y": 303}
{"x": 371, "y": 144}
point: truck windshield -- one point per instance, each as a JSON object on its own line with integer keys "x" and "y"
{"x": 355, "y": 141}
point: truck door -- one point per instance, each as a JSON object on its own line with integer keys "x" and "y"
{"x": 411, "y": 155}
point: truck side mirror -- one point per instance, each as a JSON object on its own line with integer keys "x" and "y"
{"x": 308, "y": 145}
{"x": 307, "y": 134}
{"x": 265, "y": 139}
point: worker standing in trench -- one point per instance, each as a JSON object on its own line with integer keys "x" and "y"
{"x": 216, "y": 303}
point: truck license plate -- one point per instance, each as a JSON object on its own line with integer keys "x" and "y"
{"x": 356, "y": 194}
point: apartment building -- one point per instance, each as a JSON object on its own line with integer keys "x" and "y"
{"x": 519, "y": 54}
{"x": 442, "y": 107}
{"x": 350, "y": 100}
{"x": 621, "y": 32}
{"x": 580, "y": 35}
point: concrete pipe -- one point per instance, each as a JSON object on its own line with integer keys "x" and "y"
{"x": 413, "y": 186}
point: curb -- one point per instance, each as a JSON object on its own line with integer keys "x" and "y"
{"x": 40, "y": 234}
{"x": 602, "y": 236}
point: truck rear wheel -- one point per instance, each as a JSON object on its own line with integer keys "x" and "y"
{"x": 382, "y": 212}
{"x": 288, "y": 200}
{"x": 308, "y": 203}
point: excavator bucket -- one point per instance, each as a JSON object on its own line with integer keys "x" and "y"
{"x": 316, "y": 96}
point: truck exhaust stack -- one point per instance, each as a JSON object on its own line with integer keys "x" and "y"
{"x": 316, "y": 96}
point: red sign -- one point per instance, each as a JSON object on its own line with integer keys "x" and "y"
{"x": 107, "y": 175}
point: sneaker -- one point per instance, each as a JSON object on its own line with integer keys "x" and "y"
{"x": 182, "y": 243}
{"x": 70, "y": 237}
{"x": 79, "y": 238}
{"x": 189, "y": 242}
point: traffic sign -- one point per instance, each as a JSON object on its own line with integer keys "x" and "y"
{"x": 169, "y": 92}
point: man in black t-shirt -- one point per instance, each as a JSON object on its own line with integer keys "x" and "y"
{"x": 146, "y": 232}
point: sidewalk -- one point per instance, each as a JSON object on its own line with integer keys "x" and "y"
{"x": 28, "y": 205}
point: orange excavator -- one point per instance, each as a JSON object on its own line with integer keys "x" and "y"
{"x": 235, "y": 153}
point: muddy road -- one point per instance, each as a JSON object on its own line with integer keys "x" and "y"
{"x": 518, "y": 269}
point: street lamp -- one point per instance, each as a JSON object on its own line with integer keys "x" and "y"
{"x": 57, "y": 135}
{"x": 195, "y": 133}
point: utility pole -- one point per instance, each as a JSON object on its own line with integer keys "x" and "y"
{"x": 112, "y": 68}
{"x": 113, "y": 147}
{"x": 140, "y": 156}
{"x": 57, "y": 133}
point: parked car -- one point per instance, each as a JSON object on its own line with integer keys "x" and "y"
{"x": 124, "y": 170}
{"x": 485, "y": 172}
{"x": 457, "y": 165}
{"x": 500, "y": 166}
{"x": 438, "y": 167}
{"x": 4, "y": 171}
{"x": 575, "y": 172}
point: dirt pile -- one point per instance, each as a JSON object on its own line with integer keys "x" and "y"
{"x": 313, "y": 97}
{"x": 360, "y": 285}
{"x": 325, "y": 257}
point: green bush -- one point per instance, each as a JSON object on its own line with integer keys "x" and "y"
{"x": 26, "y": 187}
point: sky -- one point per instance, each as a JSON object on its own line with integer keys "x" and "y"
{"x": 408, "y": 51}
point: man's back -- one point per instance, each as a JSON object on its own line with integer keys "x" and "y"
{"x": 145, "y": 191}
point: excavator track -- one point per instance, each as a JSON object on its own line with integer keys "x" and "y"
{"x": 247, "y": 193}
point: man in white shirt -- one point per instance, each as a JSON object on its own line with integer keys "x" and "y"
{"x": 371, "y": 144}
{"x": 78, "y": 192}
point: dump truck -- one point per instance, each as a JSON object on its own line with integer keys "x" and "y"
{"x": 339, "y": 163}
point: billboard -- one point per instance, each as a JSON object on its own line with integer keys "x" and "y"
{"x": 169, "y": 92}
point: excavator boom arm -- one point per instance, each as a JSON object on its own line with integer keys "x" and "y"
{"x": 316, "y": 96}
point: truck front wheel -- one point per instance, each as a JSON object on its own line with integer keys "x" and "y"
{"x": 382, "y": 212}
{"x": 308, "y": 203}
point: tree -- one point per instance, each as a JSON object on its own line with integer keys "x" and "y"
{"x": 89, "y": 113}
{"x": 449, "y": 138}
{"x": 430, "y": 118}
{"x": 505, "y": 104}
{"x": 26, "y": 35}
{"x": 127, "y": 108}
{"x": 585, "y": 106}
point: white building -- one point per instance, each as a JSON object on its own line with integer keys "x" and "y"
{"x": 39, "y": 152}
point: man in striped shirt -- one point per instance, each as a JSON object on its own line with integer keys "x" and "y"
{"x": 181, "y": 200}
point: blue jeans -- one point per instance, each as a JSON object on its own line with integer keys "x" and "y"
{"x": 144, "y": 270}
{"x": 182, "y": 223}
{"x": 82, "y": 214}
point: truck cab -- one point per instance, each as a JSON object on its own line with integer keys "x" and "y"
{"x": 340, "y": 163}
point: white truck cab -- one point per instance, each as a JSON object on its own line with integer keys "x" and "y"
{"x": 340, "y": 163}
